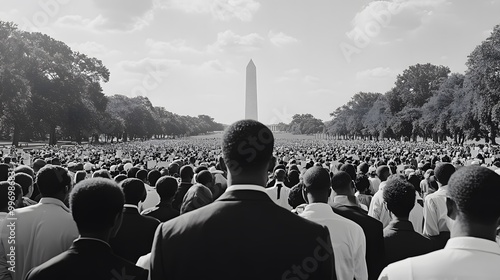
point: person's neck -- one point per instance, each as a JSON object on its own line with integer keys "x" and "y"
{"x": 317, "y": 200}
{"x": 462, "y": 228}
{"x": 400, "y": 218}
{"x": 249, "y": 179}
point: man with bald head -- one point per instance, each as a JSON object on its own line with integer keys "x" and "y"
{"x": 259, "y": 238}
{"x": 279, "y": 192}
{"x": 471, "y": 252}
{"x": 348, "y": 239}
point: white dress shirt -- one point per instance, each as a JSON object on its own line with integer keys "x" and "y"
{"x": 152, "y": 198}
{"x": 283, "y": 195}
{"x": 462, "y": 258}
{"x": 435, "y": 212}
{"x": 378, "y": 210}
{"x": 243, "y": 187}
{"x": 348, "y": 240}
{"x": 43, "y": 231}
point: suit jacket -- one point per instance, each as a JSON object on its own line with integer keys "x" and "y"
{"x": 87, "y": 259}
{"x": 162, "y": 212}
{"x": 179, "y": 195}
{"x": 401, "y": 242}
{"x": 242, "y": 235}
{"x": 375, "y": 252}
{"x": 135, "y": 236}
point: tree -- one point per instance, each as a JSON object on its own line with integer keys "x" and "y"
{"x": 305, "y": 124}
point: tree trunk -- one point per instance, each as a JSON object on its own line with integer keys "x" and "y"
{"x": 15, "y": 136}
{"x": 78, "y": 137}
{"x": 493, "y": 133}
{"x": 52, "y": 137}
{"x": 124, "y": 137}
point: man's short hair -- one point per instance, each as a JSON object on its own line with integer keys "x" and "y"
{"x": 52, "y": 179}
{"x": 186, "y": 172}
{"x": 132, "y": 172}
{"x": 134, "y": 190}
{"x": 5, "y": 196}
{"x": 383, "y": 172}
{"x": 119, "y": 178}
{"x": 204, "y": 178}
{"x": 247, "y": 145}
{"x": 362, "y": 183}
{"x": 341, "y": 181}
{"x": 102, "y": 173}
{"x": 25, "y": 169}
{"x": 95, "y": 203}
{"x": 153, "y": 176}
{"x": 476, "y": 192}
{"x": 399, "y": 195}
{"x": 166, "y": 187}
{"x": 141, "y": 175}
{"x": 350, "y": 169}
{"x": 25, "y": 181}
{"x": 443, "y": 172}
{"x": 4, "y": 172}
{"x": 316, "y": 179}
{"x": 280, "y": 174}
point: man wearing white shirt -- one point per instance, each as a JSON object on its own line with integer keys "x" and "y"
{"x": 471, "y": 252}
{"x": 348, "y": 239}
{"x": 279, "y": 192}
{"x": 436, "y": 220}
{"x": 43, "y": 230}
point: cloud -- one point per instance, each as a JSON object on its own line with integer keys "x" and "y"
{"x": 114, "y": 15}
{"x": 148, "y": 65}
{"x": 311, "y": 79}
{"x": 93, "y": 49}
{"x": 280, "y": 39}
{"x": 394, "y": 16}
{"x": 321, "y": 91}
{"x": 375, "y": 73}
{"x": 223, "y": 10}
{"x": 178, "y": 45}
{"x": 229, "y": 41}
{"x": 292, "y": 71}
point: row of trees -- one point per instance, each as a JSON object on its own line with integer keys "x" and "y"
{"x": 430, "y": 102}
{"x": 48, "y": 89}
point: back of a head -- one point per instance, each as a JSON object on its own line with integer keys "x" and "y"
{"x": 119, "y": 178}
{"x": 6, "y": 191}
{"x": 399, "y": 194}
{"x": 153, "y": 176}
{"x": 363, "y": 168}
{"x": 383, "y": 172}
{"x": 95, "y": 203}
{"x": 196, "y": 197}
{"x": 349, "y": 169}
{"x": 52, "y": 180}
{"x": 4, "y": 172}
{"x": 132, "y": 172}
{"x": 134, "y": 190}
{"x": 173, "y": 169}
{"x": 38, "y": 164}
{"x": 316, "y": 179}
{"x": 26, "y": 183}
{"x": 205, "y": 178}
{"x": 341, "y": 182}
{"x": 101, "y": 174}
{"x": 362, "y": 183}
{"x": 280, "y": 175}
{"x": 293, "y": 177}
{"x": 247, "y": 145}
{"x": 476, "y": 193}
{"x": 141, "y": 175}
{"x": 443, "y": 172}
{"x": 166, "y": 187}
{"x": 186, "y": 173}
{"x": 80, "y": 176}
{"x": 25, "y": 169}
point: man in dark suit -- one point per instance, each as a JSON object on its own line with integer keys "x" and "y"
{"x": 96, "y": 206}
{"x": 400, "y": 239}
{"x": 243, "y": 234}
{"x": 135, "y": 236}
{"x": 187, "y": 175}
{"x": 346, "y": 205}
{"x": 166, "y": 187}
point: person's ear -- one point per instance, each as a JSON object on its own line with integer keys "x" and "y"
{"x": 329, "y": 191}
{"x": 451, "y": 207}
{"x": 304, "y": 195}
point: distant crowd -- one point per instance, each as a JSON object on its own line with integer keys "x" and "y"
{"x": 249, "y": 206}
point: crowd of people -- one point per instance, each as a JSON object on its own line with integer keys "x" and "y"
{"x": 249, "y": 206}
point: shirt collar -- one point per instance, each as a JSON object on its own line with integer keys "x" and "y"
{"x": 473, "y": 243}
{"x": 55, "y": 201}
{"x": 131, "y": 206}
{"x": 318, "y": 207}
{"x": 245, "y": 188}
{"x": 344, "y": 200}
{"x": 90, "y": 238}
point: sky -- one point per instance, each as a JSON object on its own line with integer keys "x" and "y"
{"x": 190, "y": 56}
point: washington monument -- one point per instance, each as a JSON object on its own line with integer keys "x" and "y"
{"x": 251, "y": 92}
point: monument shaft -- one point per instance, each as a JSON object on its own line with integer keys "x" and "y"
{"x": 251, "y": 92}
